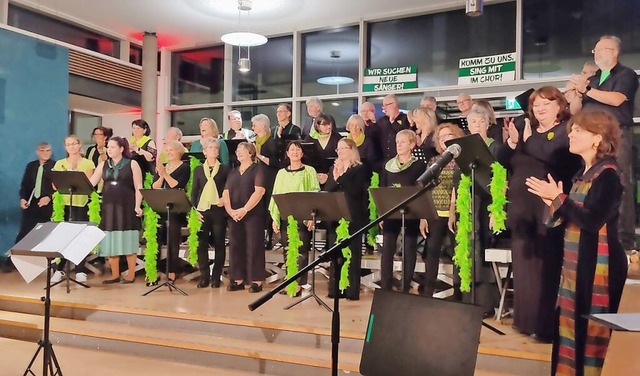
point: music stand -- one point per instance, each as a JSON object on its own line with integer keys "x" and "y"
{"x": 171, "y": 201}
{"x": 73, "y": 183}
{"x": 51, "y": 240}
{"x": 421, "y": 208}
{"x": 327, "y": 206}
{"x": 186, "y": 157}
{"x": 475, "y": 161}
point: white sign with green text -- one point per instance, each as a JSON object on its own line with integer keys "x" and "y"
{"x": 487, "y": 69}
{"x": 390, "y": 78}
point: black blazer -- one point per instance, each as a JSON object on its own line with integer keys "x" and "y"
{"x": 29, "y": 179}
{"x": 199, "y": 181}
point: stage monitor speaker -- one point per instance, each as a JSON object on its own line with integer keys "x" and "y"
{"x": 415, "y": 335}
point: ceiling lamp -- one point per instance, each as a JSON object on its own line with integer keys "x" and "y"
{"x": 336, "y": 79}
{"x": 244, "y": 39}
{"x": 474, "y": 8}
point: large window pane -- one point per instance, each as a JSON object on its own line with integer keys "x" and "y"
{"x": 188, "y": 121}
{"x": 330, "y": 53}
{"x": 436, "y": 42}
{"x": 340, "y": 109}
{"x": 53, "y": 28}
{"x": 559, "y": 35}
{"x": 197, "y": 76}
{"x": 271, "y": 71}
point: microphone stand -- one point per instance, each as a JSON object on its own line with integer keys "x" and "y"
{"x": 335, "y": 254}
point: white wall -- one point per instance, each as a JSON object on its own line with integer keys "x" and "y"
{"x": 120, "y": 123}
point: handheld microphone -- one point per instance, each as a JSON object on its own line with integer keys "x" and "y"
{"x": 453, "y": 151}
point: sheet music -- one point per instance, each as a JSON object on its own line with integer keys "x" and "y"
{"x": 623, "y": 321}
{"x": 59, "y": 239}
{"x": 83, "y": 243}
{"x": 29, "y": 267}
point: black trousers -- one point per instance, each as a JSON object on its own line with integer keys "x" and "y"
{"x": 33, "y": 215}
{"x": 75, "y": 214}
{"x": 305, "y": 248}
{"x": 391, "y": 231}
{"x": 175, "y": 236}
{"x": 246, "y": 249}
{"x": 214, "y": 226}
{"x": 438, "y": 232}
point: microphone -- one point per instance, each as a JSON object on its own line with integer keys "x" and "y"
{"x": 453, "y": 151}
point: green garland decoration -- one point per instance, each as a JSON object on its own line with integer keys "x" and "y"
{"x": 150, "y": 234}
{"x": 373, "y": 210}
{"x": 194, "y": 225}
{"x": 342, "y": 232}
{"x": 293, "y": 252}
{"x": 498, "y": 189}
{"x": 58, "y": 207}
{"x": 462, "y": 251}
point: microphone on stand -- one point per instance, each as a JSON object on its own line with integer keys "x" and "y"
{"x": 453, "y": 151}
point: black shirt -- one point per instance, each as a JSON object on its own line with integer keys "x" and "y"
{"x": 29, "y": 179}
{"x": 200, "y": 180}
{"x": 387, "y": 134}
{"x": 242, "y": 186}
{"x": 622, "y": 80}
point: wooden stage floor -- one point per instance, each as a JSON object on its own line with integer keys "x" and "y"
{"x": 221, "y": 306}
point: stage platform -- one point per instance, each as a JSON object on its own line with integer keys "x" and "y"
{"x": 209, "y": 328}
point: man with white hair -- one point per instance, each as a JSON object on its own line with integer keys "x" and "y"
{"x": 613, "y": 88}
{"x": 173, "y": 134}
{"x": 429, "y": 102}
{"x": 314, "y": 108}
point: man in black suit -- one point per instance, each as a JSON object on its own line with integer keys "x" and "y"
{"x": 35, "y": 194}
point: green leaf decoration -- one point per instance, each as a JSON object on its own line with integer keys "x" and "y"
{"x": 462, "y": 254}
{"x": 342, "y": 232}
{"x": 373, "y": 210}
{"x": 58, "y": 207}
{"x": 194, "y": 225}
{"x": 498, "y": 190}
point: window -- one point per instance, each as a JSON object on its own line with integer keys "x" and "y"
{"x": 189, "y": 120}
{"x": 436, "y": 42}
{"x": 50, "y": 27}
{"x": 135, "y": 54}
{"x": 330, "y": 53}
{"x": 271, "y": 71}
{"x": 198, "y": 76}
{"x": 559, "y": 35}
{"x": 250, "y": 111}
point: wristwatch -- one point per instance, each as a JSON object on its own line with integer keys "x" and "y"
{"x": 586, "y": 89}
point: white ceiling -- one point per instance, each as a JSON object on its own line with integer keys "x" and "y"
{"x": 189, "y": 23}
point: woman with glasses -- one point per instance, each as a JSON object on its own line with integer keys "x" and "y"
{"x": 350, "y": 176}
{"x": 325, "y": 143}
{"x": 243, "y": 200}
{"x": 98, "y": 152}
{"x": 78, "y": 209}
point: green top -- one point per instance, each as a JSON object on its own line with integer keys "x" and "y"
{"x": 223, "y": 157}
{"x": 304, "y": 179}
{"x": 84, "y": 165}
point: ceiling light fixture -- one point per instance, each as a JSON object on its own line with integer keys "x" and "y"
{"x": 336, "y": 79}
{"x": 244, "y": 39}
{"x": 474, "y": 8}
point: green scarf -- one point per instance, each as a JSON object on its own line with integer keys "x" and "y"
{"x": 394, "y": 165}
{"x": 359, "y": 140}
{"x": 323, "y": 139}
{"x": 261, "y": 141}
{"x": 210, "y": 195}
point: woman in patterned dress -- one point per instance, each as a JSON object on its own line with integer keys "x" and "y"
{"x": 594, "y": 262}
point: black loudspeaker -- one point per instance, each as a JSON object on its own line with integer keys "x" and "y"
{"x": 414, "y": 335}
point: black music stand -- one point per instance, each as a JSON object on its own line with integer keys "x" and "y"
{"x": 172, "y": 201}
{"x": 311, "y": 157}
{"x": 422, "y": 208}
{"x": 475, "y": 161}
{"x": 43, "y": 241}
{"x": 73, "y": 183}
{"x": 326, "y": 206}
{"x": 186, "y": 157}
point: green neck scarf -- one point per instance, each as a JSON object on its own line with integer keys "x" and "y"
{"x": 358, "y": 140}
{"x": 261, "y": 141}
{"x": 395, "y": 166}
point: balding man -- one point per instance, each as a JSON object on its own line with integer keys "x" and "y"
{"x": 464, "y": 103}
{"x": 389, "y": 125}
{"x": 613, "y": 88}
{"x": 429, "y": 102}
{"x": 314, "y": 108}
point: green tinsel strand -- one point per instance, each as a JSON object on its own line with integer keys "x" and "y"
{"x": 148, "y": 180}
{"x": 293, "y": 252}
{"x": 373, "y": 210}
{"x": 58, "y": 207}
{"x": 498, "y": 189}
{"x": 94, "y": 213}
{"x": 193, "y": 163}
{"x": 342, "y": 232}
{"x": 462, "y": 257}
{"x": 194, "y": 225}
{"x": 150, "y": 233}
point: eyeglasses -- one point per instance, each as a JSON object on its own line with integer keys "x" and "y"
{"x": 323, "y": 123}
{"x": 98, "y": 134}
{"x": 72, "y": 144}
{"x": 388, "y": 104}
{"x": 462, "y": 101}
{"x": 600, "y": 49}
{"x": 343, "y": 148}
